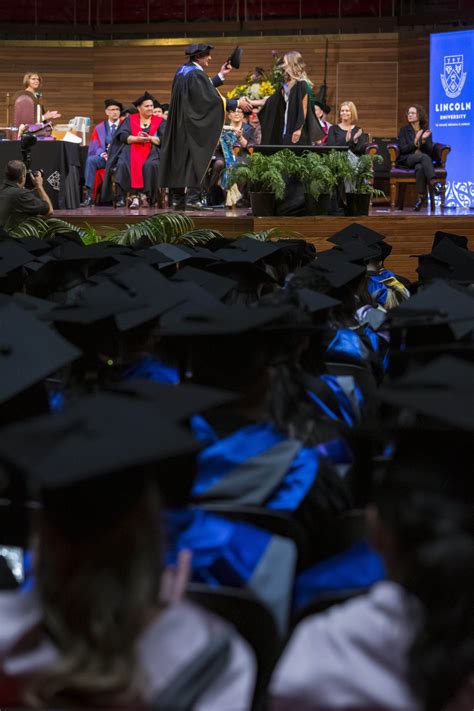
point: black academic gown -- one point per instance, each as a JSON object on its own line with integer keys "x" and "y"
{"x": 194, "y": 125}
{"x": 272, "y": 118}
{"x": 118, "y": 162}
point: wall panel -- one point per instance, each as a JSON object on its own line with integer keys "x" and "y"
{"x": 381, "y": 73}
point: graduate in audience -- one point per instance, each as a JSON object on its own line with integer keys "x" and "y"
{"x": 407, "y": 644}
{"x": 104, "y": 625}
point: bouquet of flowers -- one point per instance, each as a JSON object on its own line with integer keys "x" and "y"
{"x": 259, "y": 83}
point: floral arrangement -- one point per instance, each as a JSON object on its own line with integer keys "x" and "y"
{"x": 259, "y": 83}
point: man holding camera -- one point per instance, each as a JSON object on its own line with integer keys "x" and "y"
{"x": 16, "y": 202}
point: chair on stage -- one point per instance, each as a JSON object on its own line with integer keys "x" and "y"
{"x": 401, "y": 177}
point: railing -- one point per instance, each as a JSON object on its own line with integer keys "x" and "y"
{"x": 118, "y": 17}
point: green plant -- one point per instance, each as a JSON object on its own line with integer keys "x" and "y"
{"x": 315, "y": 173}
{"x": 262, "y": 173}
{"x": 339, "y": 165}
{"x": 44, "y": 227}
{"x": 360, "y": 175}
{"x": 166, "y": 227}
{"x": 273, "y": 233}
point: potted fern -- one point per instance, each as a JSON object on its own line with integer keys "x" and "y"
{"x": 265, "y": 181}
{"x": 318, "y": 180}
{"x": 359, "y": 177}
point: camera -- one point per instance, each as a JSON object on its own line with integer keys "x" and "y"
{"x": 35, "y": 173}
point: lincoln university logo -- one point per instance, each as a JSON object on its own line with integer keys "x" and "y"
{"x": 453, "y": 77}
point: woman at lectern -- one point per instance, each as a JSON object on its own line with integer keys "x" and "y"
{"x": 416, "y": 152}
{"x": 346, "y": 132}
{"x": 27, "y": 106}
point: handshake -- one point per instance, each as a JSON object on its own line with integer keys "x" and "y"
{"x": 246, "y": 104}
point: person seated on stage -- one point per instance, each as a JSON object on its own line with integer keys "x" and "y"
{"x": 236, "y": 139}
{"x": 134, "y": 156}
{"x": 27, "y": 107}
{"x": 416, "y": 151}
{"x": 157, "y": 108}
{"x": 16, "y": 202}
{"x": 321, "y": 109}
{"x": 287, "y": 117}
{"x": 99, "y": 145}
{"x": 165, "y": 108}
{"x": 346, "y": 132}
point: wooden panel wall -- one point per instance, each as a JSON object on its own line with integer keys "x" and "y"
{"x": 67, "y": 73}
{"x": 381, "y": 73}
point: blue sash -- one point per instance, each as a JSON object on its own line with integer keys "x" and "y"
{"x": 255, "y": 465}
{"x": 358, "y": 567}
{"x": 348, "y": 343}
{"x": 150, "y": 368}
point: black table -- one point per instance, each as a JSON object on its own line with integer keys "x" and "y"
{"x": 62, "y": 164}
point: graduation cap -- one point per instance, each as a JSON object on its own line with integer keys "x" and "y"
{"x": 438, "y": 304}
{"x": 442, "y": 390}
{"x": 12, "y": 258}
{"x": 313, "y": 301}
{"x": 29, "y": 352}
{"x": 247, "y": 249}
{"x": 40, "y": 308}
{"x": 129, "y": 110}
{"x": 217, "y": 285}
{"x": 235, "y": 58}
{"x": 358, "y": 251}
{"x": 144, "y": 97}
{"x": 156, "y": 104}
{"x": 198, "y": 48}
{"x": 323, "y": 106}
{"x": 113, "y": 102}
{"x": 363, "y": 233}
{"x": 91, "y": 461}
{"x": 165, "y": 107}
{"x": 337, "y": 270}
{"x": 35, "y": 245}
{"x": 178, "y": 402}
{"x": 447, "y": 260}
{"x": 223, "y": 321}
{"x": 172, "y": 252}
{"x": 458, "y": 240}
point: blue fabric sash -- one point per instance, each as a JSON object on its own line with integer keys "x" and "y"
{"x": 250, "y": 444}
{"x": 358, "y": 567}
{"x": 224, "y": 552}
{"x": 150, "y": 368}
{"x": 227, "y": 141}
{"x": 349, "y": 343}
{"x": 185, "y": 69}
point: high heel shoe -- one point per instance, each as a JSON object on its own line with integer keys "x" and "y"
{"x": 419, "y": 204}
{"x": 437, "y": 188}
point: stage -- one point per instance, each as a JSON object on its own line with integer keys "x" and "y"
{"x": 409, "y": 232}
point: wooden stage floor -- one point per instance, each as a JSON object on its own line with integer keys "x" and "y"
{"x": 409, "y": 232}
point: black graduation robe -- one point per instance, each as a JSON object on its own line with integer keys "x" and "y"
{"x": 272, "y": 118}
{"x": 195, "y": 120}
{"x": 118, "y": 161}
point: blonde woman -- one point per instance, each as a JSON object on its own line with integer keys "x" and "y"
{"x": 27, "y": 102}
{"x": 347, "y": 132}
{"x": 287, "y": 117}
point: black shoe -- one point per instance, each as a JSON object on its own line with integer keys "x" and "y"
{"x": 418, "y": 204}
{"x": 120, "y": 202}
{"x": 88, "y": 201}
{"x": 437, "y": 188}
{"x": 178, "y": 205}
{"x": 197, "y": 205}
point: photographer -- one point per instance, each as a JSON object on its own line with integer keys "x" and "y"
{"x": 16, "y": 202}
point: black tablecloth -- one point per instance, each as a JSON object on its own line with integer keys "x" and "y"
{"x": 62, "y": 164}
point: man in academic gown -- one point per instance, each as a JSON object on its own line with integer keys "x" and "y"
{"x": 134, "y": 156}
{"x": 197, "y": 113}
{"x": 101, "y": 139}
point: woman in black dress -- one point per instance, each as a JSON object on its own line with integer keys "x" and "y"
{"x": 346, "y": 132}
{"x": 416, "y": 151}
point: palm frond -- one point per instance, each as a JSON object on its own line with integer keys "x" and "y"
{"x": 44, "y": 228}
{"x": 200, "y": 236}
{"x": 165, "y": 227}
{"x": 273, "y": 233}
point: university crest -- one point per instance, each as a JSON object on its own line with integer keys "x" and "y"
{"x": 453, "y": 77}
